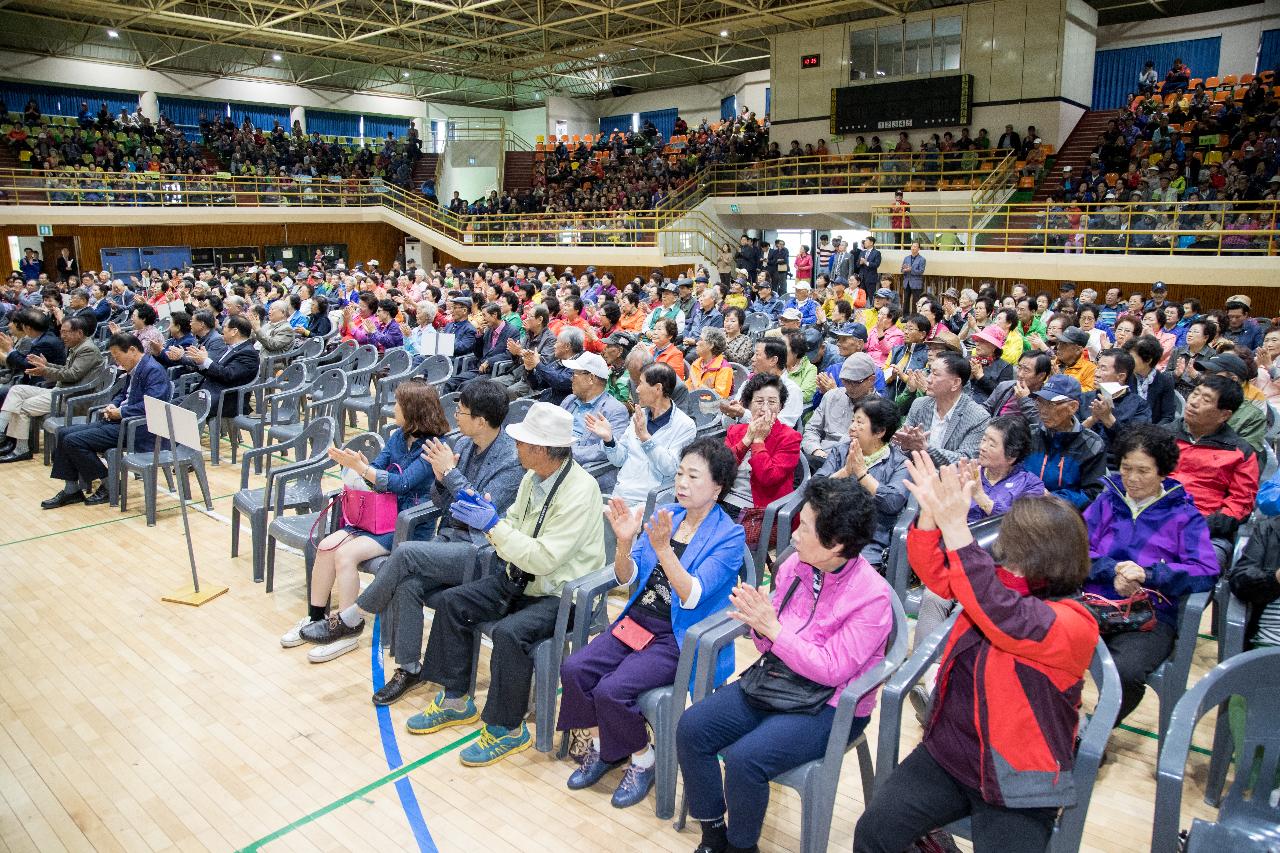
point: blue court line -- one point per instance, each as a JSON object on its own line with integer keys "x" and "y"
{"x": 391, "y": 749}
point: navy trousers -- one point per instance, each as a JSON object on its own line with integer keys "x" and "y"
{"x": 76, "y": 456}
{"x": 756, "y": 745}
{"x": 603, "y": 681}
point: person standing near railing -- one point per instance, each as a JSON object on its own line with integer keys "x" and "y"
{"x": 913, "y": 265}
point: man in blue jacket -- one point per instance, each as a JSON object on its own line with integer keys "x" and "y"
{"x": 75, "y": 461}
{"x": 1070, "y": 459}
{"x": 464, "y": 334}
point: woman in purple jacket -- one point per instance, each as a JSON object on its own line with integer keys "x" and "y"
{"x": 1145, "y": 532}
{"x": 832, "y": 629}
{"x": 387, "y": 334}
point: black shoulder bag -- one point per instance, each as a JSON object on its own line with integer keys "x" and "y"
{"x": 516, "y": 580}
{"x": 770, "y": 685}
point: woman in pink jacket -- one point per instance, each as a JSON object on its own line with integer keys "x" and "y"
{"x": 804, "y": 265}
{"x": 827, "y": 621}
{"x": 885, "y": 335}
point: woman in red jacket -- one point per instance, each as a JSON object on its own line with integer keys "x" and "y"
{"x": 999, "y": 738}
{"x": 767, "y": 450}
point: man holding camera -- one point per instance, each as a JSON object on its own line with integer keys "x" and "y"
{"x": 546, "y": 539}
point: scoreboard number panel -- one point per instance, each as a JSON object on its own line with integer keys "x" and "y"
{"x": 902, "y": 105}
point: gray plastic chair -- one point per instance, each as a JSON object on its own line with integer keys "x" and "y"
{"x": 1248, "y": 819}
{"x": 517, "y": 410}
{"x": 63, "y": 407}
{"x": 321, "y": 399}
{"x": 302, "y": 492}
{"x": 271, "y": 399}
{"x": 1233, "y": 627}
{"x": 1094, "y": 732}
{"x": 147, "y": 465}
{"x": 1169, "y": 681}
{"x": 436, "y": 369}
{"x": 306, "y": 530}
{"x": 661, "y": 706}
{"x": 359, "y": 376}
{"x": 784, "y": 509}
{"x": 703, "y": 405}
{"x": 394, "y": 367}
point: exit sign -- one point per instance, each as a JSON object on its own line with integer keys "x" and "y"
{"x": 812, "y": 60}
{"x": 44, "y": 230}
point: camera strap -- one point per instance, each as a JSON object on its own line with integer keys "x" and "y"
{"x": 546, "y": 505}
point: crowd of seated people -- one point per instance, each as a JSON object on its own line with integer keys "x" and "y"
{"x": 1174, "y": 173}
{"x": 95, "y": 145}
{"x": 1117, "y": 441}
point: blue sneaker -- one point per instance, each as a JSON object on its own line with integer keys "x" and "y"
{"x": 494, "y": 744}
{"x": 433, "y": 718}
{"x": 634, "y": 786}
{"x": 591, "y": 770}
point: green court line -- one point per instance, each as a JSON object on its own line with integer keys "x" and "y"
{"x": 98, "y": 524}
{"x": 403, "y": 770}
{"x": 1154, "y": 736}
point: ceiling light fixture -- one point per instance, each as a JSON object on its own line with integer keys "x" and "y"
{"x": 724, "y": 34}
{"x": 404, "y": 73}
{"x": 112, "y": 34}
{"x": 600, "y": 56}
{"x": 275, "y": 57}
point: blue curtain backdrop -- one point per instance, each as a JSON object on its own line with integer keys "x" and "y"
{"x": 377, "y": 126}
{"x": 728, "y": 108}
{"x": 333, "y": 124}
{"x": 609, "y": 124}
{"x": 264, "y": 117}
{"x": 1268, "y": 55}
{"x": 1115, "y": 72}
{"x": 663, "y": 120}
{"x": 63, "y": 100}
{"x": 185, "y": 113}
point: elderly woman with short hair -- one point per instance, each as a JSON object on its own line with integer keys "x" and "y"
{"x": 711, "y": 369}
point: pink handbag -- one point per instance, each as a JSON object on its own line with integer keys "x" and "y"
{"x": 372, "y": 512}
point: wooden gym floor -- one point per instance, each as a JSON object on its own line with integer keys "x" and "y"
{"x": 129, "y": 724}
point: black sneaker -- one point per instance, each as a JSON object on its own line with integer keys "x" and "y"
{"x": 330, "y": 630}
{"x": 399, "y": 684}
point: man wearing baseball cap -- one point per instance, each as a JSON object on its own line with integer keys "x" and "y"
{"x": 546, "y": 540}
{"x": 1248, "y": 421}
{"x": 1069, "y": 354}
{"x": 830, "y": 422}
{"x": 617, "y": 347}
{"x": 1240, "y": 328}
{"x": 1070, "y": 459}
{"x": 668, "y": 310}
{"x": 589, "y": 397}
{"x": 766, "y": 303}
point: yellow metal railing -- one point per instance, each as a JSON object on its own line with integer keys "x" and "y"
{"x": 857, "y": 173}
{"x": 1246, "y": 228}
{"x": 691, "y": 232}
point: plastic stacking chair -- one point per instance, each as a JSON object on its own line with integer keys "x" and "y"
{"x": 321, "y": 399}
{"x": 359, "y": 375}
{"x": 661, "y": 706}
{"x": 449, "y": 403}
{"x": 1094, "y": 732}
{"x": 65, "y": 402}
{"x": 63, "y": 409}
{"x": 517, "y": 410}
{"x": 1235, "y": 616}
{"x": 436, "y": 369}
{"x": 302, "y": 492}
{"x": 271, "y": 398}
{"x": 1248, "y": 819}
{"x": 306, "y": 530}
{"x": 1169, "y": 681}
{"x": 393, "y": 368}
{"x": 147, "y": 465}
{"x": 341, "y": 355}
{"x": 703, "y": 406}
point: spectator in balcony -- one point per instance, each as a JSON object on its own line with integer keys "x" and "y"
{"x": 1178, "y": 77}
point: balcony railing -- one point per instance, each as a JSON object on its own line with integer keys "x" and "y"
{"x": 1244, "y": 228}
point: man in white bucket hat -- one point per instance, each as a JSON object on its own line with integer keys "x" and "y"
{"x": 546, "y": 540}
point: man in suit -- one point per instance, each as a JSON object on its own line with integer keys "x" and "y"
{"x": 75, "y": 461}
{"x": 947, "y": 423}
{"x": 24, "y": 402}
{"x": 748, "y": 257}
{"x": 778, "y": 264}
{"x": 869, "y": 266}
{"x": 79, "y": 307}
{"x": 275, "y": 335}
{"x": 205, "y": 328}
{"x": 37, "y": 327}
{"x": 490, "y": 348}
{"x": 459, "y": 325}
{"x": 842, "y": 261}
{"x": 236, "y": 365}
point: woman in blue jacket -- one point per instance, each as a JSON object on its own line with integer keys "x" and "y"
{"x": 399, "y": 469}
{"x": 683, "y": 571}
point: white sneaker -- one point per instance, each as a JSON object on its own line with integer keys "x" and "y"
{"x": 293, "y": 637}
{"x": 338, "y": 648}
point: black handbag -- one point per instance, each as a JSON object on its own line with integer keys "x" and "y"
{"x": 770, "y": 685}
{"x": 1120, "y": 616}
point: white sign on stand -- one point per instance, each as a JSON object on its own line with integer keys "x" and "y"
{"x": 181, "y": 427}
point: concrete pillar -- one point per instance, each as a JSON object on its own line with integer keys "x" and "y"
{"x": 149, "y": 104}
{"x": 298, "y": 114}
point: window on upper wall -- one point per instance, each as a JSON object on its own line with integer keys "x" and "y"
{"x": 905, "y": 49}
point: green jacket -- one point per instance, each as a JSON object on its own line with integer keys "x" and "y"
{"x": 805, "y": 375}
{"x": 571, "y": 543}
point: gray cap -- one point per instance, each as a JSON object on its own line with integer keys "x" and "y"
{"x": 1074, "y": 335}
{"x": 858, "y": 367}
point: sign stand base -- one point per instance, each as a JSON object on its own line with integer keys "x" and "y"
{"x": 194, "y": 597}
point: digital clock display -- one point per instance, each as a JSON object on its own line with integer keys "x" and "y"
{"x": 813, "y": 60}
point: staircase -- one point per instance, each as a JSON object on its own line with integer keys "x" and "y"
{"x": 517, "y": 171}
{"x": 1075, "y": 151}
{"x": 425, "y": 170}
